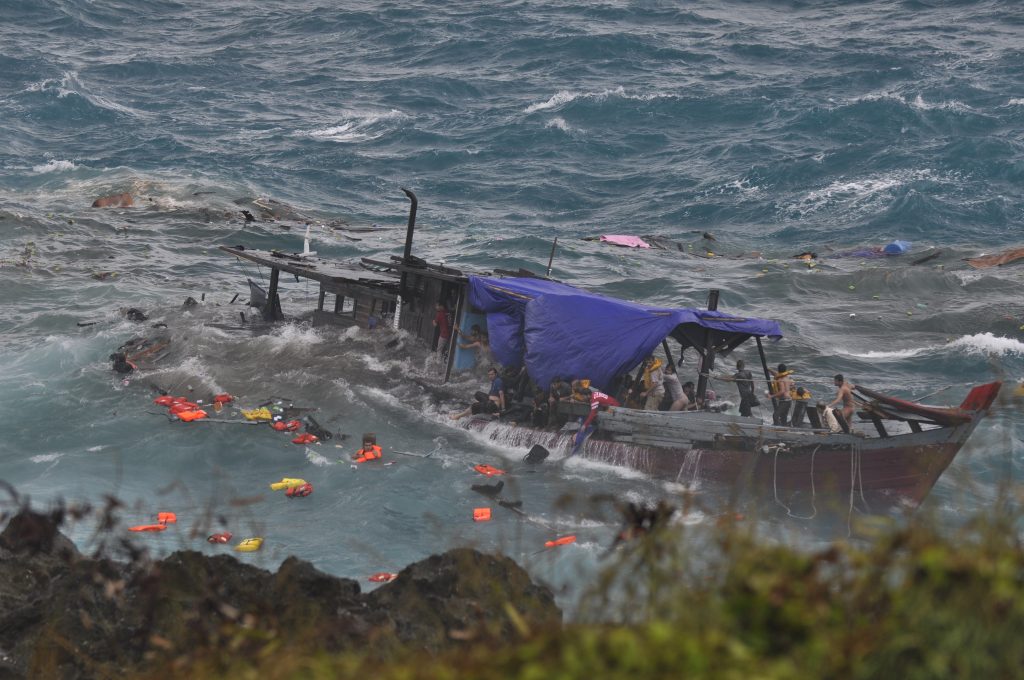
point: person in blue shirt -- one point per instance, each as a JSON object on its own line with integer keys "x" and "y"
{"x": 491, "y": 402}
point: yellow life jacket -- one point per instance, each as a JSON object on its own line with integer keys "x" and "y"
{"x": 655, "y": 365}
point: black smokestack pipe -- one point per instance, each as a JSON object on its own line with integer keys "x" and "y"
{"x": 412, "y": 226}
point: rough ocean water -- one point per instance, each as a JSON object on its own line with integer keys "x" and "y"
{"x": 776, "y": 127}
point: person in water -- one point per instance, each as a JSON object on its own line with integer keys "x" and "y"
{"x": 492, "y": 402}
{"x": 844, "y": 395}
{"x": 369, "y": 451}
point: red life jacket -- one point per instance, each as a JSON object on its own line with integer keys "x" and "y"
{"x": 372, "y": 453}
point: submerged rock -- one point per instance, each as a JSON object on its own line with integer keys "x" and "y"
{"x": 66, "y": 615}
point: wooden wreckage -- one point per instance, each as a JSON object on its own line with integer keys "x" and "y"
{"x": 891, "y": 455}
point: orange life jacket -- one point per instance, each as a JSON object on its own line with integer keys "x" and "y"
{"x": 372, "y": 453}
{"x": 488, "y": 471}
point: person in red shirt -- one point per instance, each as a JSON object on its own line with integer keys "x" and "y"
{"x": 444, "y": 336}
{"x": 598, "y": 401}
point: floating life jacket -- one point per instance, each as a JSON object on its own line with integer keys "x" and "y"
{"x": 488, "y": 471}
{"x": 166, "y": 518}
{"x": 287, "y": 483}
{"x": 165, "y": 400}
{"x": 149, "y": 527}
{"x": 189, "y": 416}
{"x": 383, "y": 577}
{"x": 564, "y": 540}
{"x": 182, "y": 406}
{"x": 258, "y": 414}
{"x": 289, "y": 426}
{"x": 223, "y": 399}
{"x": 305, "y": 438}
{"x": 219, "y": 538}
{"x": 372, "y": 453}
{"x": 300, "y": 491}
{"x": 481, "y": 514}
{"x": 249, "y": 545}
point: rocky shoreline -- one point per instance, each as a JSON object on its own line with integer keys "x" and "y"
{"x": 67, "y": 615}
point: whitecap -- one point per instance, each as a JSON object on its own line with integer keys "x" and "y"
{"x": 979, "y": 343}
{"x": 921, "y": 105}
{"x": 987, "y": 343}
{"x": 564, "y": 97}
{"x": 859, "y": 191}
{"x": 53, "y": 166}
{"x": 359, "y": 126}
{"x": 559, "y": 124}
{"x": 46, "y": 457}
{"x": 559, "y": 99}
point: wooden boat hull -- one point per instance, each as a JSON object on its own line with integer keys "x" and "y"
{"x": 802, "y": 470}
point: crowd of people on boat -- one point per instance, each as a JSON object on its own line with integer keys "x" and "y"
{"x": 512, "y": 396}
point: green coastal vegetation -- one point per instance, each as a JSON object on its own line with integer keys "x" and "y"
{"x": 904, "y": 599}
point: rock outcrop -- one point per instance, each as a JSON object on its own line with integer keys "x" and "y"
{"x": 65, "y": 615}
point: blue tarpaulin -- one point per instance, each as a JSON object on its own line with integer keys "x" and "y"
{"x": 559, "y": 330}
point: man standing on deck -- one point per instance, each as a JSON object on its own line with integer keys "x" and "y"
{"x": 844, "y": 395}
{"x": 444, "y": 335}
{"x": 745, "y": 384}
{"x": 782, "y": 386}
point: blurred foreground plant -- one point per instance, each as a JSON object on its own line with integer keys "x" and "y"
{"x": 913, "y": 601}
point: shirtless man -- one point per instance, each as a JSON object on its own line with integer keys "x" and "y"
{"x": 783, "y": 386}
{"x": 844, "y": 395}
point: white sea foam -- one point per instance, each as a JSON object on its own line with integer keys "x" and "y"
{"x": 580, "y": 463}
{"x": 316, "y": 458}
{"x": 987, "y": 343}
{"x": 559, "y": 124}
{"x": 860, "y": 191}
{"x": 979, "y": 343}
{"x": 564, "y": 97}
{"x": 94, "y": 449}
{"x": 289, "y": 337}
{"x": 46, "y": 457}
{"x": 917, "y": 102}
{"x": 358, "y": 126}
{"x": 53, "y": 166}
{"x": 1016, "y": 101}
{"x": 920, "y": 104}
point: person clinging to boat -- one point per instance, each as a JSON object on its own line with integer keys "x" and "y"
{"x": 491, "y": 402}
{"x": 599, "y": 401}
{"x": 477, "y": 340}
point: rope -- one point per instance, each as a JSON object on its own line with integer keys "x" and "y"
{"x": 775, "y": 485}
{"x": 856, "y": 472}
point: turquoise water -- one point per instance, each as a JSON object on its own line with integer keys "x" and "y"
{"x": 776, "y": 127}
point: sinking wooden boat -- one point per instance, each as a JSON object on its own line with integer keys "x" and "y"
{"x": 893, "y": 454}
{"x": 894, "y": 463}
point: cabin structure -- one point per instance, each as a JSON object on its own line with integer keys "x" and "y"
{"x": 400, "y": 293}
